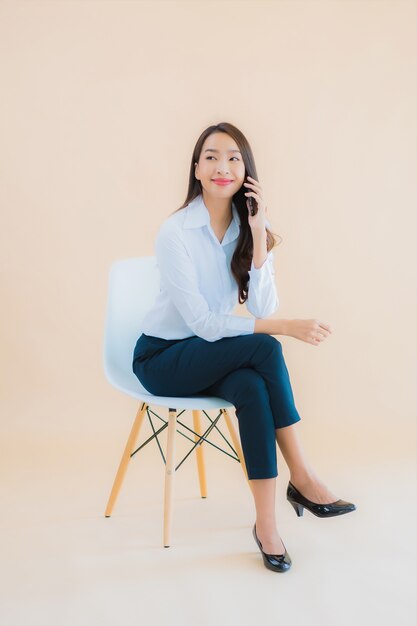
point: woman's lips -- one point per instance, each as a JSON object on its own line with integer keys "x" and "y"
{"x": 222, "y": 182}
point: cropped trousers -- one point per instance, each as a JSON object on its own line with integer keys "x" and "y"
{"x": 248, "y": 371}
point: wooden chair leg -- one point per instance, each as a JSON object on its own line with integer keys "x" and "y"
{"x": 236, "y": 441}
{"x": 169, "y": 475}
{"x": 125, "y": 458}
{"x": 201, "y": 466}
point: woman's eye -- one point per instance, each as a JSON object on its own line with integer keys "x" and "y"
{"x": 212, "y": 157}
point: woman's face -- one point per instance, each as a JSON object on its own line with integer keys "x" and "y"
{"x": 220, "y": 159}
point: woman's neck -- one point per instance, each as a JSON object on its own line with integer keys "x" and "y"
{"x": 220, "y": 210}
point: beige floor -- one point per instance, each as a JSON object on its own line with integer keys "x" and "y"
{"x": 63, "y": 563}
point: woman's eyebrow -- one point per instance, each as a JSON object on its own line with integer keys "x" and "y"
{"x": 213, "y": 150}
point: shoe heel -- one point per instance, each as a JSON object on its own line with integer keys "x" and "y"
{"x": 298, "y": 508}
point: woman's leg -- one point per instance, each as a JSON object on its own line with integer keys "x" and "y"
{"x": 246, "y": 389}
{"x": 190, "y": 366}
{"x": 194, "y": 365}
{"x": 263, "y": 491}
{"x": 302, "y": 475}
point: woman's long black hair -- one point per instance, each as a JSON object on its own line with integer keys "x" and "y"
{"x": 242, "y": 257}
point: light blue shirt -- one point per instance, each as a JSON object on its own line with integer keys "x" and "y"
{"x": 197, "y": 289}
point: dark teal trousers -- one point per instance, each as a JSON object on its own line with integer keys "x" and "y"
{"x": 248, "y": 370}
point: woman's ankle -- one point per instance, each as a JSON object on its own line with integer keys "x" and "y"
{"x": 303, "y": 476}
{"x": 266, "y": 525}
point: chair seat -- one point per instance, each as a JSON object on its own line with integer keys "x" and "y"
{"x": 127, "y": 382}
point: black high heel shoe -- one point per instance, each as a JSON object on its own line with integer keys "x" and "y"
{"x": 299, "y": 502}
{"x": 274, "y": 562}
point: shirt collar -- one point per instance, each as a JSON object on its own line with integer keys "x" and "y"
{"x": 197, "y": 216}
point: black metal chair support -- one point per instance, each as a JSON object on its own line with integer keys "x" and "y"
{"x": 200, "y": 440}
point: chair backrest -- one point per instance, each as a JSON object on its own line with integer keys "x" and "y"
{"x": 133, "y": 286}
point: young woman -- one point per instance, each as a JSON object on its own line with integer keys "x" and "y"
{"x": 214, "y": 250}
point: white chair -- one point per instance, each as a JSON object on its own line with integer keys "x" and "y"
{"x": 133, "y": 285}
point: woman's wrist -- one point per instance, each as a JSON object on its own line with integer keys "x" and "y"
{"x": 285, "y": 327}
{"x": 272, "y": 326}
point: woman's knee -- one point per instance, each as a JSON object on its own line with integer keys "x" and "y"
{"x": 269, "y": 342}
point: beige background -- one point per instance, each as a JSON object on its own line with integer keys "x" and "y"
{"x": 101, "y": 105}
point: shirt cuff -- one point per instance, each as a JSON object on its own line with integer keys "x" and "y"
{"x": 243, "y": 325}
{"x": 256, "y": 273}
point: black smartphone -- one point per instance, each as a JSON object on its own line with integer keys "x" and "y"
{"x": 253, "y": 205}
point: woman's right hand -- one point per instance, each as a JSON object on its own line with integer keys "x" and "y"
{"x": 310, "y": 331}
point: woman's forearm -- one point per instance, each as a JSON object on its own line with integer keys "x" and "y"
{"x": 260, "y": 251}
{"x": 271, "y": 326}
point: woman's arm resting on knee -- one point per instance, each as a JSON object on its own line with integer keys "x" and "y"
{"x": 311, "y": 331}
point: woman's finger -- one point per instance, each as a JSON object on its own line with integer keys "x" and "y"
{"x": 252, "y": 193}
{"x": 325, "y": 326}
{"x": 256, "y": 186}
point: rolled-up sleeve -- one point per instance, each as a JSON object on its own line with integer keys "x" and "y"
{"x": 263, "y": 298}
{"x": 180, "y": 280}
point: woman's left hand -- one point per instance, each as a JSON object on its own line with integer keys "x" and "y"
{"x": 256, "y": 222}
